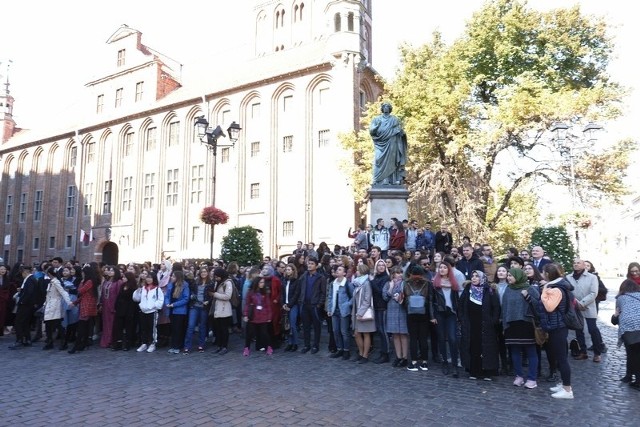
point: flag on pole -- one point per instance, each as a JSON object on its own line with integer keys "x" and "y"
{"x": 91, "y": 235}
{"x": 82, "y": 233}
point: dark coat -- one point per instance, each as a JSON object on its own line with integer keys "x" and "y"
{"x": 440, "y": 304}
{"x": 294, "y": 292}
{"x": 468, "y": 266}
{"x": 377, "y": 284}
{"x": 319, "y": 291}
{"x": 443, "y": 242}
{"x": 490, "y": 322}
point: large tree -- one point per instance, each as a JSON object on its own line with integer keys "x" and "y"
{"x": 478, "y": 114}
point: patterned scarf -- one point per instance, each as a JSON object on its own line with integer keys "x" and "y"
{"x": 477, "y": 291}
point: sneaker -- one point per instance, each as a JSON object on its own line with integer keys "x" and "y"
{"x": 223, "y": 351}
{"x": 518, "y": 382}
{"x": 563, "y": 394}
{"x": 471, "y": 377}
{"x": 200, "y": 349}
{"x": 151, "y": 348}
{"x": 246, "y": 352}
{"x": 556, "y": 388}
{"x": 423, "y": 366}
{"x": 597, "y": 358}
{"x": 171, "y": 351}
{"x": 403, "y": 363}
{"x": 413, "y": 367}
{"x": 269, "y": 351}
{"x": 142, "y": 348}
{"x": 488, "y": 379}
{"x": 530, "y": 384}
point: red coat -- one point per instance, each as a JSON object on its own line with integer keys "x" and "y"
{"x": 87, "y": 301}
{"x": 255, "y": 300}
{"x": 276, "y": 292}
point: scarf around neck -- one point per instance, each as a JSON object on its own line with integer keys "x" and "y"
{"x": 477, "y": 292}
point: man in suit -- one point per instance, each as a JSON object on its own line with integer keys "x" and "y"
{"x": 27, "y": 304}
{"x": 537, "y": 257}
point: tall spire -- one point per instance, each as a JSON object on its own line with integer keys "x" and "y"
{"x": 7, "y": 128}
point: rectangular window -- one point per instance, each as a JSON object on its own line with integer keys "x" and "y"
{"x": 287, "y": 144}
{"x": 255, "y": 149}
{"x": 287, "y": 103}
{"x": 323, "y": 96}
{"x": 174, "y": 133}
{"x": 195, "y": 232}
{"x": 255, "y": 110}
{"x": 91, "y": 152}
{"x": 224, "y": 155}
{"x": 23, "y": 207}
{"x": 149, "y": 190}
{"x": 128, "y": 144}
{"x": 139, "y": 89}
{"x": 36, "y": 243}
{"x": 323, "y": 138}
{"x": 106, "y": 205}
{"x": 88, "y": 198}
{"x": 225, "y": 117}
{"x": 100, "y": 104}
{"x": 37, "y": 206}
{"x": 121, "y": 53}
{"x": 150, "y": 140}
{"x": 73, "y": 157}
{"x": 71, "y": 201}
{"x": 52, "y": 242}
{"x": 287, "y": 228}
{"x": 172, "y": 187}
{"x": 171, "y": 235}
{"x": 7, "y": 217}
{"x": 118, "y": 97}
{"x": 255, "y": 190}
{"x": 68, "y": 241}
{"x": 197, "y": 183}
{"x": 127, "y": 193}
{"x": 363, "y": 100}
{"x": 145, "y": 236}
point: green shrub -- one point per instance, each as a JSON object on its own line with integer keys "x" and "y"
{"x": 557, "y": 245}
{"x": 241, "y": 245}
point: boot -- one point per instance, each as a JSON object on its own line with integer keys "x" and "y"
{"x": 336, "y": 354}
{"x": 346, "y": 355}
{"x": 445, "y": 368}
{"x": 384, "y": 358}
{"x": 456, "y": 373}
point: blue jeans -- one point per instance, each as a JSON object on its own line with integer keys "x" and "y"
{"x": 341, "y": 331}
{"x": 197, "y": 316}
{"x": 532, "y": 355}
{"x": 447, "y": 331}
{"x": 381, "y": 317}
{"x": 293, "y": 322}
{"x": 596, "y": 337}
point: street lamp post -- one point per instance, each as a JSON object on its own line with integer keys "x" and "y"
{"x": 209, "y": 136}
{"x": 561, "y": 132}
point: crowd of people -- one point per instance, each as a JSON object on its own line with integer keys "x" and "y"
{"x": 415, "y": 296}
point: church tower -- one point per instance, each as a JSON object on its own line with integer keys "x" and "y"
{"x": 6, "y": 108}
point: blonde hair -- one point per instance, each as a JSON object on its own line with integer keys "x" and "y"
{"x": 177, "y": 286}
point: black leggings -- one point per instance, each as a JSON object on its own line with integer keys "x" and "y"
{"x": 261, "y": 331}
{"x": 222, "y": 325}
{"x": 418, "y": 326}
{"x": 558, "y": 346}
{"x": 52, "y": 326}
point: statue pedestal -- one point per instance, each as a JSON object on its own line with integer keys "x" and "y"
{"x": 386, "y": 202}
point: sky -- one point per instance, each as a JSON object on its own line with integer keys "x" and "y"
{"x": 54, "y": 57}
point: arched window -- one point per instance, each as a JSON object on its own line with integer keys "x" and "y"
{"x": 301, "y": 9}
{"x": 282, "y": 18}
{"x": 337, "y": 20}
{"x": 295, "y": 13}
{"x": 350, "y": 21}
{"x": 277, "y": 18}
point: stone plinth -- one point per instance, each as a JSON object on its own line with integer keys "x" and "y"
{"x": 386, "y": 202}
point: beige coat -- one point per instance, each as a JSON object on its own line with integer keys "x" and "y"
{"x": 222, "y": 306}
{"x": 53, "y": 303}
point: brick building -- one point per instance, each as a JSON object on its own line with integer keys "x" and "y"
{"x": 126, "y": 178}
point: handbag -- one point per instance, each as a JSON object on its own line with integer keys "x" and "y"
{"x": 416, "y": 302}
{"x": 573, "y": 319}
{"x": 541, "y": 335}
{"x": 369, "y": 313}
{"x": 631, "y": 337}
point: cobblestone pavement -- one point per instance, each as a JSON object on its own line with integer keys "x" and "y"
{"x": 101, "y": 387}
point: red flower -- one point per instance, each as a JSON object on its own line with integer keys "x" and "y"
{"x": 213, "y": 216}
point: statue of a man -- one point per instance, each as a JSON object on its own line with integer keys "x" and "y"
{"x": 390, "y": 148}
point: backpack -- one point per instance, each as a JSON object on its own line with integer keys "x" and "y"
{"x": 602, "y": 291}
{"x": 574, "y": 347}
{"x": 235, "y": 297}
{"x": 573, "y": 318}
{"x": 416, "y": 303}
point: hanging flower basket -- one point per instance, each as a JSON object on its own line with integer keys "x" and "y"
{"x": 213, "y": 216}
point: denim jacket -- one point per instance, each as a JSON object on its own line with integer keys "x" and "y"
{"x": 345, "y": 296}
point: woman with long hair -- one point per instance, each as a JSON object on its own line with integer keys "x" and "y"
{"x": 362, "y": 301}
{"x": 108, "y": 296}
{"x": 396, "y": 319}
{"x": 199, "y": 305}
{"x": 501, "y": 284}
{"x": 445, "y": 309}
{"x": 553, "y": 305}
{"x": 150, "y": 299}
{"x": 257, "y": 315}
{"x": 301, "y": 264}
{"x": 418, "y": 294}
{"x": 70, "y": 281}
{"x": 125, "y": 314}
{"x": 53, "y": 309}
{"x": 438, "y": 257}
{"x": 290, "y": 296}
{"x": 88, "y": 306}
{"x": 338, "y": 308}
{"x": 627, "y": 317}
{"x": 176, "y": 299}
